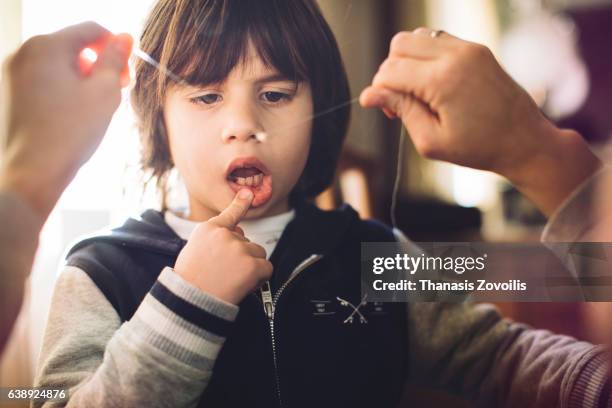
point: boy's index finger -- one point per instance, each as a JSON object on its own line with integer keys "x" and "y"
{"x": 231, "y": 216}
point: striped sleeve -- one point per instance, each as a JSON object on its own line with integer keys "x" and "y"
{"x": 182, "y": 321}
{"x": 591, "y": 387}
{"x": 162, "y": 357}
{"x": 574, "y": 220}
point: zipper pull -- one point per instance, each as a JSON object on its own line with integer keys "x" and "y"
{"x": 266, "y": 297}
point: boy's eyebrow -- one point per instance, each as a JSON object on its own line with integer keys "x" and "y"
{"x": 261, "y": 80}
{"x": 273, "y": 78}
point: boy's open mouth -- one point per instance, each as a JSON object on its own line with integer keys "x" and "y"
{"x": 249, "y": 172}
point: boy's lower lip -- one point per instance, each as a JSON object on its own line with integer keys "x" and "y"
{"x": 262, "y": 192}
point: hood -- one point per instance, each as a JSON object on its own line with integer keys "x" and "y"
{"x": 311, "y": 231}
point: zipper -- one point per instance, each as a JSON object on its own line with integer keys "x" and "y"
{"x": 269, "y": 304}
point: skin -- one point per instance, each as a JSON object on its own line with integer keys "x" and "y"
{"x": 211, "y": 126}
{"x": 54, "y": 114}
{"x": 208, "y": 128}
{"x": 219, "y": 260}
{"x": 459, "y": 105}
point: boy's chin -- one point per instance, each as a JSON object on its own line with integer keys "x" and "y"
{"x": 257, "y": 212}
{"x": 266, "y": 210}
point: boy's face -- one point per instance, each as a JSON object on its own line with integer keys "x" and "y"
{"x": 251, "y": 131}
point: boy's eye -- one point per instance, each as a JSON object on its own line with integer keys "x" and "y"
{"x": 207, "y": 99}
{"x": 274, "y": 97}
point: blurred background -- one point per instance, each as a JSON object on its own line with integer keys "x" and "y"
{"x": 559, "y": 50}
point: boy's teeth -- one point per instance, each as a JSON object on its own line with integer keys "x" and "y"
{"x": 252, "y": 181}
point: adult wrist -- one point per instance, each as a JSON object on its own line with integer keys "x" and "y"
{"x": 561, "y": 163}
{"x": 40, "y": 192}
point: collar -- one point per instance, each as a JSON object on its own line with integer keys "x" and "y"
{"x": 274, "y": 224}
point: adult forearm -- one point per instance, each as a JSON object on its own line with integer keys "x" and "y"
{"x": 18, "y": 241}
{"x": 40, "y": 191}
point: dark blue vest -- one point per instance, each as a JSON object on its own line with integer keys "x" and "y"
{"x": 313, "y": 355}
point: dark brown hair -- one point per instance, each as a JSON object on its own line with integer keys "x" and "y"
{"x": 202, "y": 41}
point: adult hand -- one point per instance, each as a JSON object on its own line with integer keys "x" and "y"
{"x": 220, "y": 260}
{"x": 459, "y": 105}
{"x": 55, "y": 113}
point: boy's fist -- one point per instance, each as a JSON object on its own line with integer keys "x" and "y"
{"x": 220, "y": 260}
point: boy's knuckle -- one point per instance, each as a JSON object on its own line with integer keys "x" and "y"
{"x": 205, "y": 235}
{"x": 200, "y": 232}
{"x": 205, "y": 227}
{"x": 260, "y": 250}
{"x": 267, "y": 269}
{"x": 250, "y": 266}
{"x": 236, "y": 247}
{"x": 222, "y": 234}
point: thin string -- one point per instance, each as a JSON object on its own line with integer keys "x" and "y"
{"x": 398, "y": 176}
{"x": 155, "y": 64}
{"x": 315, "y": 115}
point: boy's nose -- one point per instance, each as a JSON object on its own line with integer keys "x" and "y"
{"x": 239, "y": 134}
{"x": 243, "y": 126}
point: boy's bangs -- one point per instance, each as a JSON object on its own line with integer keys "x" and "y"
{"x": 211, "y": 41}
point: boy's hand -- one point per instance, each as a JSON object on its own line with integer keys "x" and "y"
{"x": 219, "y": 260}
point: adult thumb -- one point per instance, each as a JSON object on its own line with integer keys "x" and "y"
{"x": 388, "y": 101}
{"x": 114, "y": 57}
{"x": 418, "y": 119}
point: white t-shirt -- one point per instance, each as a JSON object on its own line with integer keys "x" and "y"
{"x": 264, "y": 231}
